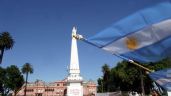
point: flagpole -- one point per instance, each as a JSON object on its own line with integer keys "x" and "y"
{"x": 80, "y": 37}
{"x": 133, "y": 62}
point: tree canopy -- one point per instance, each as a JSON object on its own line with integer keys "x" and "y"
{"x": 11, "y": 79}
{"x": 127, "y": 77}
{"x": 6, "y": 43}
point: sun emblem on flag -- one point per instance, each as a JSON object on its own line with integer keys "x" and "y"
{"x": 131, "y": 43}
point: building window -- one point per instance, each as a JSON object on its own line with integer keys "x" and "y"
{"x": 57, "y": 84}
{"x": 29, "y": 90}
{"x": 49, "y": 90}
{"x": 64, "y": 84}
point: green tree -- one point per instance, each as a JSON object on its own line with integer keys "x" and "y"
{"x": 15, "y": 78}
{"x": 2, "y": 77}
{"x": 6, "y": 43}
{"x": 127, "y": 77}
{"x": 100, "y": 85}
{"x": 12, "y": 80}
{"x": 26, "y": 69}
{"x": 106, "y": 76}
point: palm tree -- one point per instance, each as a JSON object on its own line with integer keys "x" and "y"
{"x": 6, "y": 43}
{"x": 26, "y": 69}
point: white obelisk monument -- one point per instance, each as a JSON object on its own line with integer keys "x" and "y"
{"x": 74, "y": 80}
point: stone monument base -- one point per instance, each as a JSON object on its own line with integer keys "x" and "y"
{"x": 74, "y": 89}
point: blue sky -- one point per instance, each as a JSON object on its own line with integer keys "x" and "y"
{"x": 42, "y": 33}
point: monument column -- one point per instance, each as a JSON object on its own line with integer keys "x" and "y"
{"x": 74, "y": 80}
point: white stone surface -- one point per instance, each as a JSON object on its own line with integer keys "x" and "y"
{"x": 75, "y": 89}
{"x": 74, "y": 63}
{"x": 74, "y": 80}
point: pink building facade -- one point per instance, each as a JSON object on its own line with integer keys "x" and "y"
{"x": 58, "y": 88}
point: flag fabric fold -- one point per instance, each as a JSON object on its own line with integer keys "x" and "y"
{"x": 162, "y": 78}
{"x": 144, "y": 36}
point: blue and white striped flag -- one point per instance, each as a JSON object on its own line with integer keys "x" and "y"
{"x": 162, "y": 78}
{"x": 144, "y": 36}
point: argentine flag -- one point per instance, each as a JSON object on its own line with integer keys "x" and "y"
{"x": 144, "y": 36}
{"x": 163, "y": 78}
